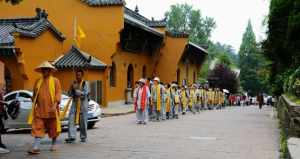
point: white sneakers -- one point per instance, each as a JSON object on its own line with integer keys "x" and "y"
{"x": 3, "y": 150}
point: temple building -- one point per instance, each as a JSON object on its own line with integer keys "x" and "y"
{"x": 120, "y": 46}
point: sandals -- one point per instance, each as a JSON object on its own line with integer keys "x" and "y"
{"x": 34, "y": 151}
{"x": 70, "y": 140}
{"x": 53, "y": 148}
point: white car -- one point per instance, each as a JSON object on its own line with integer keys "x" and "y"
{"x": 24, "y": 97}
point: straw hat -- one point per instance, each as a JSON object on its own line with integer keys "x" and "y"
{"x": 173, "y": 85}
{"x": 156, "y": 79}
{"x": 142, "y": 81}
{"x": 45, "y": 64}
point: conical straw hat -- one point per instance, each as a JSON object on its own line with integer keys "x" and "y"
{"x": 45, "y": 64}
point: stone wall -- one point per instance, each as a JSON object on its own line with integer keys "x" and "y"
{"x": 289, "y": 115}
{"x": 289, "y": 118}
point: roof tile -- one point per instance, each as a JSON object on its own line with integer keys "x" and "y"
{"x": 176, "y": 34}
{"x": 75, "y": 58}
{"x": 96, "y": 3}
{"x": 27, "y": 27}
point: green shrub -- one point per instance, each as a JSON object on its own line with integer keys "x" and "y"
{"x": 292, "y": 82}
{"x": 284, "y": 151}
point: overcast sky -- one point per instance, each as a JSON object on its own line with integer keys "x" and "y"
{"x": 231, "y": 16}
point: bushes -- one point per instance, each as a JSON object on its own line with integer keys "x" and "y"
{"x": 292, "y": 83}
{"x": 284, "y": 151}
{"x": 223, "y": 77}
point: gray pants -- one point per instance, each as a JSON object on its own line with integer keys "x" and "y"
{"x": 157, "y": 114}
{"x": 174, "y": 110}
{"x": 142, "y": 116}
{"x": 197, "y": 107}
{"x": 82, "y": 123}
{"x": 163, "y": 111}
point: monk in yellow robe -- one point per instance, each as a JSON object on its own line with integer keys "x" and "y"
{"x": 184, "y": 99}
{"x": 45, "y": 110}
{"x": 192, "y": 100}
{"x": 210, "y": 98}
{"x": 168, "y": 101}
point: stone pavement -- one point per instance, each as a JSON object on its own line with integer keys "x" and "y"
{"x": 294, "y": 147}
{"x": 233, "y": 133}
{"x": 116, "y": 110}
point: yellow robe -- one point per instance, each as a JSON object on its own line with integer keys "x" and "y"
{"x": 184, "y": 99}
{"x": 52, "y": 91}
{"x": 168, "y": 100}
{"x": 210, "y": 97}
{"x": 192, "y": 97}
{"x": 216, "y": 97}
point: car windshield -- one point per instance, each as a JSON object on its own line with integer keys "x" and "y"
{"x": 10, "y": 97}
{"x": 25, "y": 95}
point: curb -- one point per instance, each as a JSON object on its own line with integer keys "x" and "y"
{"x": 105, "y": 115}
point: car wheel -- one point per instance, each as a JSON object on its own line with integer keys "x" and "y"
{"x": 91, "y": 125}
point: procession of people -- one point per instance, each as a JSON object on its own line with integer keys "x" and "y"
{"x": 153, "y": 101}
{"x": 156, "y": 101}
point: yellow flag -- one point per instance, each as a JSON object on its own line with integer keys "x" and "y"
{"x": 79, "y": 35}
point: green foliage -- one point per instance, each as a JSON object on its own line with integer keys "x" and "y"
{"x": 253, "y": 65}
{"x": 183, "y": 18}
{"x": 224, "y": 59}
{"x": 220, "y": 54}
{"x": 284, "y": 151}
{"x": 293, "y": 98}
{"x": 282, "y": 47}
{"x": 292, "y": 83}
{"x": 218, "y": 50}
{"x": 204, "y": 70}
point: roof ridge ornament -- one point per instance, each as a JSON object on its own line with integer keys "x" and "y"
{"x": 136, "y": 9}
{"x": 41, "y": 13}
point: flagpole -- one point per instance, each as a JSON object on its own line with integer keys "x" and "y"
{"x": 74, "y": 35}
{"x": 75, "y": 30}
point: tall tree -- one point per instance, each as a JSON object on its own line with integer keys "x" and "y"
{"x": 183, "y": 18}
{"x": 282, "y": 46}
{"x": 219, "y": 54}
{"x": 250, "y": 62}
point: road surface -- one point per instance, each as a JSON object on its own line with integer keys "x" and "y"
{"x": 233, "y": 133}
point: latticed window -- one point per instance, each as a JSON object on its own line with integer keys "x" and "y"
{"x": 113, "y": 75}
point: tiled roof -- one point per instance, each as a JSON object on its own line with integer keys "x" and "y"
{"x": 75, "y": 58}
{"x": 134, "y": 18}
{"x": 177, "y": 34}
{"x": 146, "y": 21}
{"x": 194, "y": 53}
{"x": 190, "y": 44}
{"x": 137, "y": 23}
{"x": 157, "y": 23}
{"x": 136, "y": 15}
{"x": 7, "y": 51}
{"x": 27, "y": 27}
{"x": 96, "y": 3}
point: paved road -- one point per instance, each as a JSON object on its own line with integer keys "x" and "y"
{"x": 233, "y": 133}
